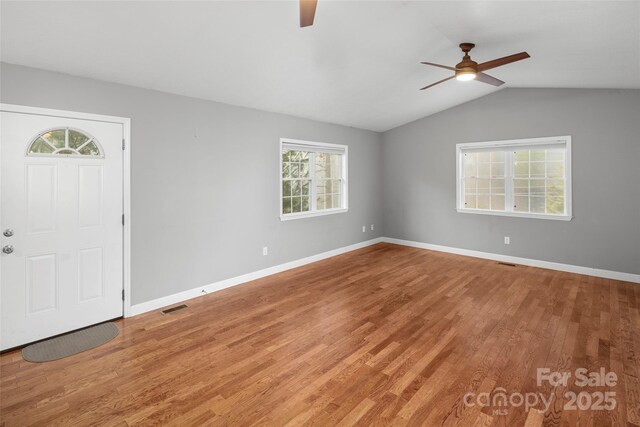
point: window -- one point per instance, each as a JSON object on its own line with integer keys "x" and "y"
{"x": 313, "y": 178}
{"x": 64, "y": 142}
{"x": 526, "y": 178}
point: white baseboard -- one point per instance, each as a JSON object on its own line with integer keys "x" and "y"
{"x": 607, "y": 274}
{"x": 233, "y": 281}
{"x": 227, "y": 283}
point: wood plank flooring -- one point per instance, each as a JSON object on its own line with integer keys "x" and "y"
{"x": 386, "y": 335}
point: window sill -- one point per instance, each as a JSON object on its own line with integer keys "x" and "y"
{"x": 289, "y": 217}
{"x": 517, "y": 214}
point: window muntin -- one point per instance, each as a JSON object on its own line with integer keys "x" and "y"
{"x": 64, "y": 142}
{"x": 313, "y": 179}
{"x": 530, "y": 178}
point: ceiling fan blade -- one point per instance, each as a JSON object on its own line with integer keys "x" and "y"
{"x": 438, "y": 65}
{"x": 502, "y": 61}
{"x": 436, "y": 83}
{"x": 486, "y": 78}
{"x": 307, "y": 12}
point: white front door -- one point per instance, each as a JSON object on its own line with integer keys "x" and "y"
{"x": 61, "y": 224}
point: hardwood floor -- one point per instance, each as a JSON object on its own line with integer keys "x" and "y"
{"x": 383, "y": 335}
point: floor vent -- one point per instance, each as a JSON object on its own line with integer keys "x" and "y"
{"x": 508, "y": 264}
{"x": 173, "y": 309}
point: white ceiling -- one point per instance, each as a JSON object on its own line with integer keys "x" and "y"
{"x": 357, "y": 66}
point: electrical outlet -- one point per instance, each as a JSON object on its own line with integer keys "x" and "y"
{"x": 364, "y": 228}
{"x": 507, "y": 240}
{"x": 265, "y": 251}
{"x": 371, "y": 227}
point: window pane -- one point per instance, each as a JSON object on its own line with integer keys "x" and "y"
{"x": 555, "y": 205}
{"x": 295, "y": 170}
{"x": 296, "y": 188}
{"x": 555, "y": 169}
{"x": 304, "y": 170}
{"x": 335, "y": 186}
{"x": 469, "y": 161}
{"x": 296, "y": 204}
{"x": 286, "y": 170}
{"x": 537, "y": 187}
{"x": 521, "y": 169}
{"x": 555, "y": 188}
{"x": 470, "y": 201}
{"x": 497, "y": 203}
{"x": 537, "y": 204}
{"x": 522, "y": 155}
{"x": 536, "y": 155}
{"x": 305, "y": 187}
{"x": 521, "y": 186}
{"x": 328, "y": 165}
{"x": 336, "y": 201}
{"x": 484, "y": 157}
{"x": 320, "y": 204}
{"x": 497, "y": 169}
{"x": 484, "y": 170}
{"x": 536, "y": 169}
{"x": 285, "y": 155}
{"x": 497, "y": 156}
{"x": 324, "y": 186}
{"x": 555, "y": 154}
{"x": 91, "y": 149}
{"x": 484, "y": 185}
{"x": 327, "y": 202}
{"x": 56, "y": 137}
{"x": 286, "y": 188}
{"x": 286, "y": 205}
{"x": 305, "y": 204}
{"x": 497, "y": 186}
{"x": 40, "y": 147}
{"x": 76, "y": 139}
{"x": 470, "y": 185}
{"x": 484, "y": 201}
{"x": 521, "y": 203}
{"x": 295, "y": 156}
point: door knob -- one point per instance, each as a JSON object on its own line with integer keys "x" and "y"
{"x": 8, "y": 232}
{"x": 7, "y": 249}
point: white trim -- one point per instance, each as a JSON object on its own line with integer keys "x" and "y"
{"x": 126, "y": 178}
{"x": 341, "y": 149}
{"x": 289, "y": 217}
{"x": 516, "y": 214}
{"x": 607, "y": 274}
{"x": 507, "y": 145}
{"x": 238, "y": 280}
{"x": 233, "y": 281}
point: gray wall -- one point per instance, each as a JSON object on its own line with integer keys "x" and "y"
{"x": 419, "y": 176}
{"x": 205, "y": 180}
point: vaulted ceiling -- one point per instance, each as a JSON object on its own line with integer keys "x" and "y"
{"x": 359, "y": 65}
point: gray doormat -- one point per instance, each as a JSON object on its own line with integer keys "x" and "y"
{"x": 70, "y": 344}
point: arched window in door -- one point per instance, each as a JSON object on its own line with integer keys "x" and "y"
{"x": 64, "y": 142}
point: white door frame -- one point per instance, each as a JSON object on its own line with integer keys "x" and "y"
{"x": 126, "y": 179}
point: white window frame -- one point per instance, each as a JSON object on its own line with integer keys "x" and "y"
{"x": 509, "y": 146}
{"x": 317, "y": 146}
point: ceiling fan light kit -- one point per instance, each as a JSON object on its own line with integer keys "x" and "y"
{"x": 469, "y": 69}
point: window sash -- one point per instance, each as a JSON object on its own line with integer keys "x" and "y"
{"x": 313, "y": 149}
{"x": 509, "y": 148}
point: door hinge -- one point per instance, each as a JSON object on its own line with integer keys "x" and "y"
{"x": 122, "y": 219}
{"x": 123, "y": 295}
{"x": 123, "y": 143}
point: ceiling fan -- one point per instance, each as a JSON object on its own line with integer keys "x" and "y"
{"x": 470, "y": 70}
{"x": 307, "y": 12}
